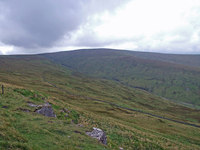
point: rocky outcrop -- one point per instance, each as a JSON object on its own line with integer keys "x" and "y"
{"x": 45, "y": 110}
{"x": 98, "y": 134}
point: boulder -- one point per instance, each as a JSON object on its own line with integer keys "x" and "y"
{"x": 98, "y": 134}
{"x": 45, "y": 110}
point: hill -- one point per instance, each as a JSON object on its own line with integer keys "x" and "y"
{"x": 175, "y": 77}
{"x": 184, "y": 59}
{"x": 132, "y": 118}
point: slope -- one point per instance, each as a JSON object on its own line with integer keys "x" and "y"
{"x": 173, "y": 81}
{"x": 64, "y": 89}
{"x": 184, "y": 59}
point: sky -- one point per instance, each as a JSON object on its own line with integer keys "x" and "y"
{"x": 39, "y": 26}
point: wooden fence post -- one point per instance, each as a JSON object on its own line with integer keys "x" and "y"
{"x": 2, "y": 89}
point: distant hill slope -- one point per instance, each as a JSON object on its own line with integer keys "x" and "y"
{"x": 192, "y": 60}
{"x": 184, "y": 59}
{"x": 139, "y": 70}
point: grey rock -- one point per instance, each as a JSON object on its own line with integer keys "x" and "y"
{"x": 98, "y": 134}
{"x": 45, "y": 110}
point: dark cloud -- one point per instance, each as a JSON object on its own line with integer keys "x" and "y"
{"x": 41, "y": 23}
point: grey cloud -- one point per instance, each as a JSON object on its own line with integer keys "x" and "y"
{"x": 34, "y": 26}
{"x": 89, "y": 39}
{"x": 41, "y": 23}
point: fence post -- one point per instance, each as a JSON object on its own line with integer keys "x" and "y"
{"x": 2, "y": 89}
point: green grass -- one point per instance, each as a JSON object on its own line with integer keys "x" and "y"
{"x": 28, "y": 130}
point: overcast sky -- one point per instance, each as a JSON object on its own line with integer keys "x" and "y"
{"x": 37, "y": 26}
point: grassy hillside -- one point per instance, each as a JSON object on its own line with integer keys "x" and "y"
{"x": 184, "y": 59}
{"x": 35, "y": 79}
{"x": 173, "y": 81}
{"x": 21, "y": 128}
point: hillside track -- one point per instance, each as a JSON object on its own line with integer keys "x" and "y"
{"x": 118, "y": 106}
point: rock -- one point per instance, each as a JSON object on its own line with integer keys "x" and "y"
{"x": 99, "y": 135}
{"x": 32, "y": 105}
{"x": 45, "y": 110}
{"x": 5, "y": 107}
{"x": 121, "y": 148}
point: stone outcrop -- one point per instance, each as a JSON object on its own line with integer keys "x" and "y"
{"x": 98, "y": 134}
{"x": 45, "y": 110}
